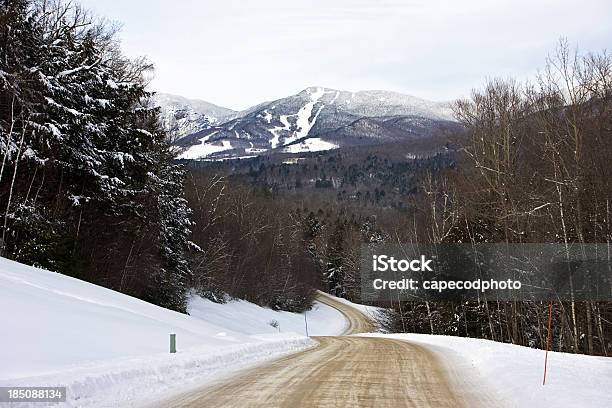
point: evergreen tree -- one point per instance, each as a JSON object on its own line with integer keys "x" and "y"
{"x": 336, "y": 258}
{"x": 87, "y": 184}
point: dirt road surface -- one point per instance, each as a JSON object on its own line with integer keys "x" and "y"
{"x": 356, "y": 321}
{"x": 343, "y": 371}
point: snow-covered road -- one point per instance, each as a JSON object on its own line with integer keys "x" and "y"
{"x": 361, "y": 369}
{"x": 343, "y": 371}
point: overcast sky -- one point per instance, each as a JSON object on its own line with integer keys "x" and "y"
{"x": 237, "y": 53}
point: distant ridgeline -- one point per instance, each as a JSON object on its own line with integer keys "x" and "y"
{"x": 315, "y": 119}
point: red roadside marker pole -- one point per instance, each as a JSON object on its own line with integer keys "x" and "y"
{"x": 547, "y": 341}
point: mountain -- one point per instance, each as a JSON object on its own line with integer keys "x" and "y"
{"x": 182, "y": 116}
{"x": 319, "y": 119}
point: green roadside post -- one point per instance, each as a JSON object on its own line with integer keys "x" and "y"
{"x": 172, "y": 343}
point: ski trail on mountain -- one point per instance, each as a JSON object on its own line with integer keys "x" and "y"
{"x": 303, "y": 124}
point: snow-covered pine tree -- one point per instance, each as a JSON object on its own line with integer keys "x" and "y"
{"x": 169, "y": 283}
{"x": 87, "y": 185}
{"x": 21, "y": 51}
{"x": 336, "y": 257}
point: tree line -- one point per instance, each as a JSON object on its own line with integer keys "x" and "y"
{"x": 535, "y": 169}
{"x": 253, "y": 245}
{"x": 87, "y": 183}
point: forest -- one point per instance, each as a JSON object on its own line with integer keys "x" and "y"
{"x": 535, "y": 169}
{"x": 89, "y": 187}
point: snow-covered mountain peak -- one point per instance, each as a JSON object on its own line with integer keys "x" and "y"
{"x": 380, "y": 103}
{"x": 315, "y": 90}
{"x": 182, "y": 116}
{"x": 333, "y": 118}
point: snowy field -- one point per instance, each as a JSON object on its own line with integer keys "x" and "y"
{"x": 513, "y": 374}
{"x": 109, "y": 349}
{"x": 205, "y": 149}
{"x": 313, "y": 144}
{"x": 244, "y": 317}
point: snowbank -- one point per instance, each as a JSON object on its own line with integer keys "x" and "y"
{"x": 514, "y": 373}
{"x": 128, "y": 382}
{"x": 110, "y": 349}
